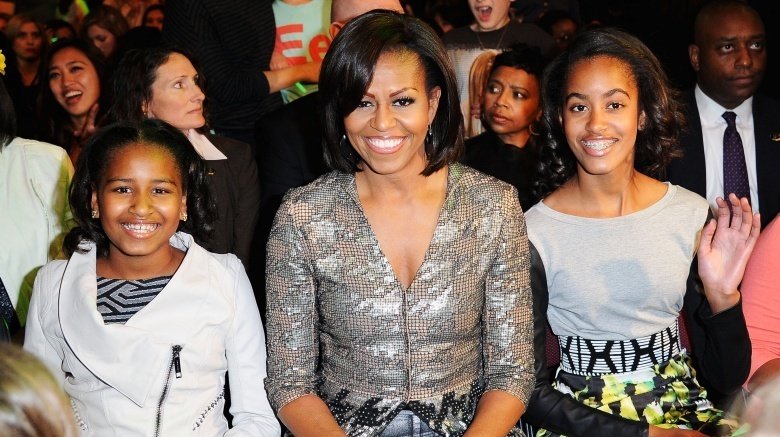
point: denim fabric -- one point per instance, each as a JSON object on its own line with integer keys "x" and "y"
{"x": 407, "y": 424}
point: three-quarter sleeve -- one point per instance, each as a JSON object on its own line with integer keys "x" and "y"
{"x": 293, "y": 345}
{"x": 507, "y": 315}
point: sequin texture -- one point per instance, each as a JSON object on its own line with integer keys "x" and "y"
{"x": 341, "y": 326}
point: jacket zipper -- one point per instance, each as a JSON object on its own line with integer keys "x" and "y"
{"x": 174, "y": 366}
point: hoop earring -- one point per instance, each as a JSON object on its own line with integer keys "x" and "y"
{"x": 532, "y": 131}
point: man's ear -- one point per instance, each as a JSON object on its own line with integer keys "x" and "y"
{"x": 334, "y": 29}
{"x": 693, "y": 55}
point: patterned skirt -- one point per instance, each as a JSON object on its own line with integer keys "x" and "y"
{"x": 666, "y": 395}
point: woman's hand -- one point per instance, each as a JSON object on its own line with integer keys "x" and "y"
{"x": 674, "y": 432}
{"x": 88, "y": 128}
{"x": 724, "y": 249}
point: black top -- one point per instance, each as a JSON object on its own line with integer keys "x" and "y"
{"x": 232, "y": 43}
{"x": 513, "y": 165}
{"x": 24, "y": 97}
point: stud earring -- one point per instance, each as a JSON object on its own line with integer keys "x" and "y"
{"x": 94, "y": 214}
{"x": 184, "y": 216}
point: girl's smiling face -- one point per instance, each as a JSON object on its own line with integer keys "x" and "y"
{"x": 601, "y": 115}
{"x": 140, "y": 199}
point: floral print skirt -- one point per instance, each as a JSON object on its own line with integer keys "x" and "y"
{"x": 666, "y": 395}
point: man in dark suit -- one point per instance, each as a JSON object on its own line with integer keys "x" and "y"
{"x": 729, "y": 57}
{"x": 290, "y": 145}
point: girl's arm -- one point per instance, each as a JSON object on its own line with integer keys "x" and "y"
{"x": 507, "y": 331}
{"x": 246, "y": 356}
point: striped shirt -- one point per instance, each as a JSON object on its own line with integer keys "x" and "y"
{"x": 120, "y": 299}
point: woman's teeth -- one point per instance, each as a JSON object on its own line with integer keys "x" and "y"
{"x": 598, "y": 144}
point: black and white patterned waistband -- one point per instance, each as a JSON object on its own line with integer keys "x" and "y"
{"x": 581, "y": 356}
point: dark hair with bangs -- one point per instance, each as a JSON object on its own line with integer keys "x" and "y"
{"x": 101, "y": 149}
{"x": 348, "y": 69}
{"x": 131, "y": 83}
{"x": 656, "y": 143}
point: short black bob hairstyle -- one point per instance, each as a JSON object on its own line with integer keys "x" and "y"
{"x": 348, "y": 69}
{"x": 107, "y": 143}
{"x": 521, "y": 56}
{"x": 656, "y": 142}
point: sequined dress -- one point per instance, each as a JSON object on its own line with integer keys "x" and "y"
{"x": 341, "y": 326}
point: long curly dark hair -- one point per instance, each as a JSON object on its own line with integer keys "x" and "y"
{"x": 101, "y": 149}
{"x": 657, "y": 141}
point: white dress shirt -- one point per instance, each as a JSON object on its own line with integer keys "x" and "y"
{"x": 713, "y": 126}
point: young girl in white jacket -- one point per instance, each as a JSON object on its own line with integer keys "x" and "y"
{"x": 142, "y": 324}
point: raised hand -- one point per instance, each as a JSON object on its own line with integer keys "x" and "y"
{"x": 88, "y": 128}
{"x": 724, "y": 249}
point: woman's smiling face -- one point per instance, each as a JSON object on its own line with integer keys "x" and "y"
{"x": 389, "y": 126}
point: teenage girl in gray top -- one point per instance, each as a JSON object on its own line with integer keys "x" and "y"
{"x": 615, "y": 247}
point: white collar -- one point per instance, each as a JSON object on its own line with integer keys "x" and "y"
{"x": 205, "y": 148}
{"x": 711, "y": 112}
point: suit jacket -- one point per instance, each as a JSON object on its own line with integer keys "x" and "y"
{"x": 689, "y": 171}
{"x": 236, "y": 191}
{"x": 289, "y": 156}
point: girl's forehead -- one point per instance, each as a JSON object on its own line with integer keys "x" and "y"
{"x": 142, "y": 157}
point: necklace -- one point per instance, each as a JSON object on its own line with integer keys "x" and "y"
{"x": 500, "y": 39}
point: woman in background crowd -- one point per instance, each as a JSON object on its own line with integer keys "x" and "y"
{"x": 71, "y": 94}
{"x": 510, "y": 107}
{"x": 26, "y": 37}
{"x": 154, "y": 16}
{"x": 163, "y": 83}
{"x": 103, "y": 27}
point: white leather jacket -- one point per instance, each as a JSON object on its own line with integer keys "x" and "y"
{"x": 163, "y": 372}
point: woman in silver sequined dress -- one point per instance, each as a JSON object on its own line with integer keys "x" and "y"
{"x": 398, "y": 284}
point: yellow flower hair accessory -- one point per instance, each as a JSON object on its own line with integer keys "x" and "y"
{"x": 2, "y": 63}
